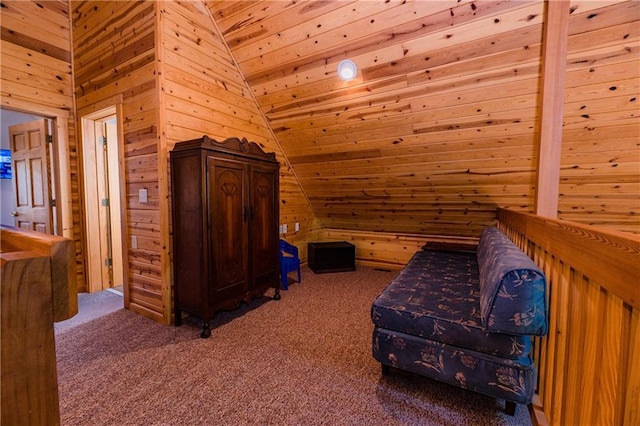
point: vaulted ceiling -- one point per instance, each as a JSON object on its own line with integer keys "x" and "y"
{"x": 394, "y": 148}
{"x": 405, "y": 141}
{"x": 441, "y": 124}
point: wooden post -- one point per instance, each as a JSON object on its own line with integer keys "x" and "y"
{"x": 38, "y": 288}
{"x": 553, "y": 79}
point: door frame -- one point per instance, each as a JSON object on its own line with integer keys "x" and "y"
{"x": 60, "y": 158}
{"x": 88, "y": 119}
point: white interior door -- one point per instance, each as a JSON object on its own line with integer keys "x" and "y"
{"x": 31, "y": 176}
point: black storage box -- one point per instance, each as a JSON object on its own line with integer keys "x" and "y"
{"x": 337, "y": 256}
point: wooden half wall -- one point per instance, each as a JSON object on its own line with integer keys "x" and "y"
{"x": 588, "y": 364}
{"x": 38, "y": 288}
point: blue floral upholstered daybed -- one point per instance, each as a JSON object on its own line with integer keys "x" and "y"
{"x": 465, "y": 318}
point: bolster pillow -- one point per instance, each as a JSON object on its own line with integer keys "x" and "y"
{"x": 512, "y": 287}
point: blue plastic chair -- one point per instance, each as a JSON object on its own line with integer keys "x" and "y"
{"x": 289, "y": 262}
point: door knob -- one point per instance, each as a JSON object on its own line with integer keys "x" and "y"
{"x": 14, "y": 213}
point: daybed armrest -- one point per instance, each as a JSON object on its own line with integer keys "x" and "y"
{"x": 512, "y": 287}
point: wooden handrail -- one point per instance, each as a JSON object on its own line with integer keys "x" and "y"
{"x": 611, "y": 258}
{"x": 588, "y": 364}
{"x": 63, "y": 275}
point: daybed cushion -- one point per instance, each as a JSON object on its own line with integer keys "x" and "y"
{"x": 510, "y": 379}
{"x": 512, "y": 287}
{"x": 417, "y": 302}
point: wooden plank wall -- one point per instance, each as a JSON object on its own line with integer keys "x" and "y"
{"x": 36, "y": 77}
{"x": 114, "y": 59}
{"x": 205, "y": 93}
{"x": 600, "y": 170}
{"x": 387, "y": 250}
{"x": 41, "y": 33}
{"x": 437, "y": 130}
{"x": 442, "y": 124}
{"x": 177, "y": 81}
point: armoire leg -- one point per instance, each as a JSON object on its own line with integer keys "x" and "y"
{"x": 177, "y": 319}
{"x": 206, "y": 331}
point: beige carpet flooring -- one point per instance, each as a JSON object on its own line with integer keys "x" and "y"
{"x": 303, "y": 360}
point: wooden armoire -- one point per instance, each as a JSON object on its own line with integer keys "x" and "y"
{"x": 225, "y": 226}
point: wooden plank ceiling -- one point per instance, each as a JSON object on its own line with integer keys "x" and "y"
{"x": 438, "y": 129}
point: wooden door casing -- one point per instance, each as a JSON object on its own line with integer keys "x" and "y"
{"x": 31, "y": 179}
{"x": 103, "y": 210}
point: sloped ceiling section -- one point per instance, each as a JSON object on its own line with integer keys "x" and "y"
{"x": 438, "y": 129}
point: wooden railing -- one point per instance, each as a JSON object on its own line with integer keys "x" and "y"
{"x": 589, "y": 362}
{"x": 38, "y": 286}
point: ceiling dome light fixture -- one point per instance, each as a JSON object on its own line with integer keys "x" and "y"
{"x": 347, "y": 70}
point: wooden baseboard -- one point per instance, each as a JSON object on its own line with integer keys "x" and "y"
{"x": 536, "y": 412}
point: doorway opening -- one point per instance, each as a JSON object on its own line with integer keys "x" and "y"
{"x": 103, "y": 201}
{"x": 29, "y": 174}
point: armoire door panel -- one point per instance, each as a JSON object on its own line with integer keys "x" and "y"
{"x": 264, "y": 234}
{"x": 227, "y": 205}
